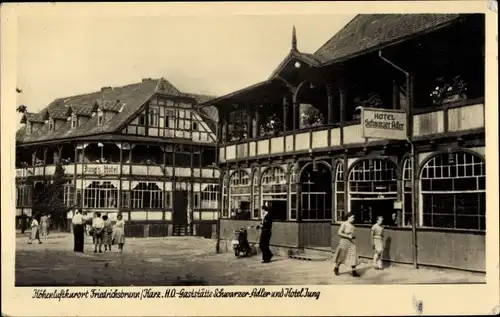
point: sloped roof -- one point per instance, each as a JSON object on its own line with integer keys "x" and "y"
{"x": 109, "y": 105}
{"x": 362, "y": 34}
{"x": 82, "y": 110}
{"x": 310, "y": 59}
{"x": 32, "y": 117}
{"x": 125, "y": 99}
{"x": 369, "y": 31}
{"x": 209, "y": 112}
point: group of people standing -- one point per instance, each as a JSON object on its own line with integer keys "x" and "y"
{"x": 101, "y": 229}
{"x": 39, "y": 229}
{"x": 346, "y": 252}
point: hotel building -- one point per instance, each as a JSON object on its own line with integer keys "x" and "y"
{"x": 143, "y": 150}
{"x": 295, "y": 142}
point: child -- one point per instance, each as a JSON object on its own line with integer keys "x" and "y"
{"x": 378, "y": 243}
{"x": 107, "y": 233}
{"x": 97, "y": 229}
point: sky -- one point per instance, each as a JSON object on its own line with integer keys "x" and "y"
{"x": 62, "y": 56}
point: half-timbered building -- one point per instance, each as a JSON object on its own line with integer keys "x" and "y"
{"x": 295, "y": 141}
{"x": 142, "y": 150}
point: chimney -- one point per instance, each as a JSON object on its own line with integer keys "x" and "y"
{"x": 105, "y": 88}
{"x": 146, "y": 79}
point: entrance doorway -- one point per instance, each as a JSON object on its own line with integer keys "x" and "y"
{"x": 179, "y": 214}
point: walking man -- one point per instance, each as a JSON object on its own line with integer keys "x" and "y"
{"x": 265, "y": 235}
{"x": 78, "y": 231}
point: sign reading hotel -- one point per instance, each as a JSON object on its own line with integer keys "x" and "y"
{"x": 384, "y": 124}
{"x": 101, "y": 169}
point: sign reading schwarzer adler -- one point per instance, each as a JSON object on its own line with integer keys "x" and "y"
{"x": 384, "y": 123}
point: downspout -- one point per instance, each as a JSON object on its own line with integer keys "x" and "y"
{"x": 412, "y": 155}
{"x": 218, "y": 139}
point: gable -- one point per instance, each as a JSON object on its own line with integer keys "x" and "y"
{"x": 167, "y": 118}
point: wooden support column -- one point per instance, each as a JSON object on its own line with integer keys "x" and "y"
{"x": 164, "y": 168}
{"x": 249, "y": 122}
{"x": 257, "y": 122}
{"x": 329, "y": 92}
{"x": 75, "y": 196}
{"x": 342, "y": 107}
{"x": 346, "y": 184}
{"x": 296, "y": 114}
{"x": 120, "y": 189}
{"x": 44, "y": 159}
{"x": 285, "y": 113}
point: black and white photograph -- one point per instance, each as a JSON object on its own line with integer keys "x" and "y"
{"x": 250, "y": 150}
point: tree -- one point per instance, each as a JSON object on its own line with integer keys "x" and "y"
{"x": 48, "y": 198}
{"x": 22, "y": 109}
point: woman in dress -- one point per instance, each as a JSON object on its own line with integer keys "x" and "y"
{"x": 119, "y": 232}
{"x": 378, "y": 243}
{"x": 44, "y": 224}
{"x": 107, "y": 233}
{"x": 346, "y": 252}
{"x": 35, "y": 231}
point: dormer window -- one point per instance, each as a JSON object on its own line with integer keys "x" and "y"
{"x": 28, "y": 128}
{"x": 100, "y": 117}
{"x": 51, "y": 125}
{"x": 74, "y": 121}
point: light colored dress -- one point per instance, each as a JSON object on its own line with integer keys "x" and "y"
{"x": 44, "y": 224}
{"x": 119, "y": 232}
{"x": 35, "y": 232}
{"x": 346, "y": 252}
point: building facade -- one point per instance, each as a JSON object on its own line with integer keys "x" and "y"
{"x": 295, "y": 142}
{"x": 141, "y": 150}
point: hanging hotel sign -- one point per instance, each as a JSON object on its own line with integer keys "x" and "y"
{"x": 101, "y": 169}
{"x": 384, "y": 124}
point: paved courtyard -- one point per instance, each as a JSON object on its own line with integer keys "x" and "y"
{"x": 165, "y": 261}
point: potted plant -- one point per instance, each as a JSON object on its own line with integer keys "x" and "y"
{"x": 449, "y": 91}
{"x": 371, "y": 101}
{"x": 311, "y": 117}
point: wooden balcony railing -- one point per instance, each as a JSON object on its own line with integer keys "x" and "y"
{"x": 94, "y": 169}
{"x": 426, "y": 123}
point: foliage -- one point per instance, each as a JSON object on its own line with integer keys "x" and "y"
{"x": 271, "y": 125}
{"x": 445, "y": 89}
{"x": 48, "y": 198}
{"x": 371, "y": 101}
{"x": 311, "y": 117}
{"x": 22, "y": 109}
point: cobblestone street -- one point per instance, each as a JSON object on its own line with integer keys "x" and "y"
{"x": 162, "y": 261}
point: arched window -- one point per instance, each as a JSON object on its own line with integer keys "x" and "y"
{"x": 340, "y": 211}
{"x": 453, "y": 189}
{"x": 256, "y": 194}
{"x": 316, "y": 192}
{"x": 274, "y": 191}
{"x": 98, "y": 195}
{"x": 293, "y": 192}
{"x": 239, "y": 195}
{"x": 373, "y": 188}
{"x": 147, "y": 195}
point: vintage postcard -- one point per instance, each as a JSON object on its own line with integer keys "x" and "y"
{"x": 247, "y": 159}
